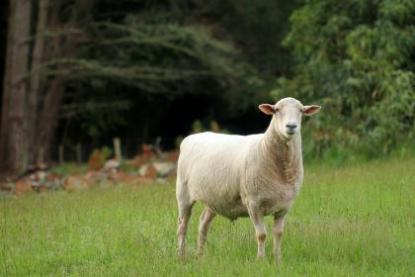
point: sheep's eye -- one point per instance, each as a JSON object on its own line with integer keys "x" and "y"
{"x": 276, "y": 110}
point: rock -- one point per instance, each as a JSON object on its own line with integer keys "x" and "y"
{"x": 112, "y": 165}
{"x": 138, "y": 161}
{"x": 96, "y": 177}
{"x": 53, "y": 181}
{"x": 38, "y": 178}
{"x": 120, "y": 177}
{"x": 147, "y": 155}
{"x": 76, "y": 183}
{"x": 23, "y": 186}
{"x": 148, "y": 171}
{"x": 164, "y": 169}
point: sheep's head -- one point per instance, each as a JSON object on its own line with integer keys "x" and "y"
{"x": 287, "y": 115}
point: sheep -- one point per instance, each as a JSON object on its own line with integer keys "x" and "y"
{"x": 239, "y": 176}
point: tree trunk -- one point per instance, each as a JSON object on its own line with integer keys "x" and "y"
{"x": 30, "y": 106}
{"x": 13, "y": 139}
{"x": 53, "y": 89}
{"x": 48, "y": 117}
{"x": 50, "y": 101}
{"x": 37, "y": 81}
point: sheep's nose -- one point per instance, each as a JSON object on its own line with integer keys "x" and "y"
{"x": 291, "y": 126}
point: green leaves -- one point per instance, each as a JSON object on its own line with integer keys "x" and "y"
{"x": 358, "y": 57}
{"x": 154, "y": 56}
{"x": 147, "y": 55}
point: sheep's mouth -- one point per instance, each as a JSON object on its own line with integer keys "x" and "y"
{"x": 290, "y": 133}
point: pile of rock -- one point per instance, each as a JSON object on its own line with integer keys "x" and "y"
{"x": 146, "y": 168}
{"x": 37, "y": 179}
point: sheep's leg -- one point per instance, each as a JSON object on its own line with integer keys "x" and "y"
{"x": 204, "y": 223}
{"x": 277, "y": 231}
{"x": 257, "y": 219}
{"x": 185, "y": 211}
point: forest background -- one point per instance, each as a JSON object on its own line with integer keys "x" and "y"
{"x": 86, "y": 71}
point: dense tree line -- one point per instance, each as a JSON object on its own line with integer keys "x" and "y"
{"x": 358, "y": 59}
{"x": 86, "y": 70}
{"x": 96, "y": 67}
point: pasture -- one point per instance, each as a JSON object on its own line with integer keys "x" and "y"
{"x": 355, "y": 220}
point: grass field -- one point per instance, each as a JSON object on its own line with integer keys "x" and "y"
{"x": 356, "y": 220}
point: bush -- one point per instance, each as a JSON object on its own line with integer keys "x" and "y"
{"x": 356, "y": 59}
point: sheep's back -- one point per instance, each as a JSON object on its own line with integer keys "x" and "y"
{"x": 210, "y": 166}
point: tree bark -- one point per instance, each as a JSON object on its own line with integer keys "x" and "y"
{"x": 49, "y": 104}
{"x": 13, "y": 142}
{"x": 30, "y": 105}
{"x": 48, "y": 117}
{"x": 37, "y": 82}
{"x": 53, "y": 88}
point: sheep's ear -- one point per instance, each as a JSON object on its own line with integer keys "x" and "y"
{"x": 310, "y": 110}
{"x": 267, "y": 109}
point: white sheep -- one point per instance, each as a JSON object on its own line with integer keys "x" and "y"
{"x": 238, "y": 176}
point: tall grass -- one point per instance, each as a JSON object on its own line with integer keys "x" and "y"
{"x": 357, "y": 220}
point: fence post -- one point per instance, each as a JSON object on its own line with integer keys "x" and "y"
{"x": 117, "y": 149}
{"x": 61, "y": 156}
{"x": 79, "y": 153}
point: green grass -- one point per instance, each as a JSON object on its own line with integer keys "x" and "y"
{"x": 354, "y": 220}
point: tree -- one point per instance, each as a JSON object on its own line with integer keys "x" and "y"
{"x": 31, "y": 95}
{"x": 356, "y": 58}
{"x": 62, "y": 36}
{"x": 151, "y": 55}
{"x": 89, "y": 61}
{"x": 13, "y": 144}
